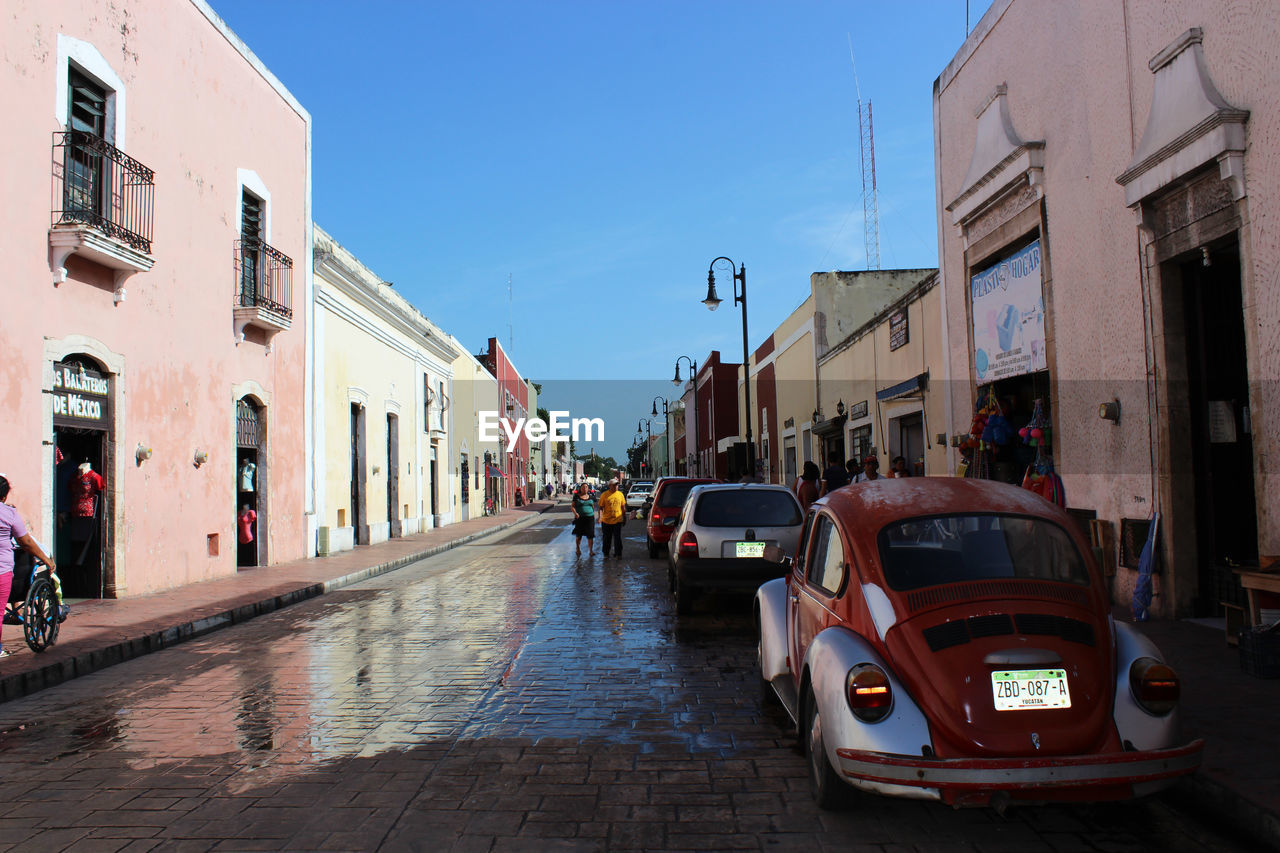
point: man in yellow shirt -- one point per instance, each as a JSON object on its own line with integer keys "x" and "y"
{"x": 613, "y": 513}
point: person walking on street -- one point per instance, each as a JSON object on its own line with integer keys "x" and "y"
{"x": 584, "y": 520}
{"x": 835, "y": 476}
{"x": 806, "y": 485}
{"x": 613, "y": 514}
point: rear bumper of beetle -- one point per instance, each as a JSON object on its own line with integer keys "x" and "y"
{"x": 1046, "y": 775}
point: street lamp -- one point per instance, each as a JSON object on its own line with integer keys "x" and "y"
{"x": 693, "y": 377}
{"x": 713, "y": 302}
{"x": 647, "y": 426}
{"x": 666, "y": 412}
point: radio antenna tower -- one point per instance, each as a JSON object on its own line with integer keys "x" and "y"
{"x": 867, "y": 154}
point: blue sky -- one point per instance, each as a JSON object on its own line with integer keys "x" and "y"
{"x": 602, "y": 153}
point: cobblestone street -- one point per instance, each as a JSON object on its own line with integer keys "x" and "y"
{"x": 501, "y": 696}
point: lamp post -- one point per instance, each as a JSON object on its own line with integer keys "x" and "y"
{"x": 647, "y": 426}
{"x": 713, "y": 302}
{"x": 666, "y": 418}
{"x": 693, "y": 377}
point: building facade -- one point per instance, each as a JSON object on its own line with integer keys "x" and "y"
{"x": 784, "y": 395}
{"x": 872, "y": 380}
{"x": 160, "y": 343}
{"x": 513, "y": 407}
{"x": 475, "y": 389}
{"x": 716, "y": 420}
{"x": 1104, "y": 252}
{"x": 384, "y": 375}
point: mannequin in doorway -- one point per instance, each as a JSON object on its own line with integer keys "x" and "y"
{"x": 85, "y": 490}
{"x": 247, "y": 470}
{"x": 245, "y": 523}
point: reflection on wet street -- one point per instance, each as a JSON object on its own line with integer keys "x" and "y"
{"x": 494, "y": 696}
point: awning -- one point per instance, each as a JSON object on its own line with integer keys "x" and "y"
{"x": 494, "y": 472}
{"x": 914, "y": 385}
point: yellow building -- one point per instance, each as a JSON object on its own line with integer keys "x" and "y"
{"x": 475, "y": 389}
{"x": 784, "y": 396}
{"x": 383, "y": 381}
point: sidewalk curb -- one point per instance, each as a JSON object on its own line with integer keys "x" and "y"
{"x": 93, "y": 659}
{"x": 1225, "y": 809}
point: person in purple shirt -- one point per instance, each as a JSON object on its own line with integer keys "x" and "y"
{"x": 12, "y": 527}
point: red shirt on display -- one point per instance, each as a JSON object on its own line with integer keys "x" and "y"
{"x": 247, "y": 518}
{"x": 84, "y": 489}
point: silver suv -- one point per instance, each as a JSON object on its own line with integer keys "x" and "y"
{"x": 720, "y": 537}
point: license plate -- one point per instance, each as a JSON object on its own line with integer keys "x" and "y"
{"x": 1030, "y": 689}
{"x": 750, "y": 549}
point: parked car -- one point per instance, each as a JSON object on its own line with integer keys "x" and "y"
{"x": 952, "y": 640}
{"x": 638, "y": 494}
{"x": 721, "y": 536}
{"x": 663, "y": 508}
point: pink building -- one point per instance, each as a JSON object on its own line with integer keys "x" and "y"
{"x": 1105, "y": 173}
{"x": 513, "y": 394}
{"x": 157, "y": 202}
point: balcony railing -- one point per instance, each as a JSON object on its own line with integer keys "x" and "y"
{"x": 264, "y": 277}
{"x": 100, "y": 186}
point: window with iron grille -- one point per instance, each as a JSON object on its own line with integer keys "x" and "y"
{"x": 86, "y": 114}
{"x": 250, "y": 247}
{"x": 861, "y": 442}
{"x": 248, "y": 424}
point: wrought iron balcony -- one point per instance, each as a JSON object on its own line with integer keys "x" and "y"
{"x": 264, "y": 286}
{"x": 103, "y": 205}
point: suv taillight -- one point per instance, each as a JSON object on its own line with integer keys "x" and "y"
{"x": 868, "y": 692}
{"x": 688, "y": 544}
{"x": 1155, "y": 685}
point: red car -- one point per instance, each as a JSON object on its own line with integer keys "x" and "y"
{"x": 668, "y": 498}
{"x": 952, "y": 640}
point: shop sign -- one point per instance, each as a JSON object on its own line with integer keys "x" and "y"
{"x": 80, "y": 396}
{"x": 858, "y": 410}
{"x": 1008, "y": 317}
{"x": 898, "y": 330}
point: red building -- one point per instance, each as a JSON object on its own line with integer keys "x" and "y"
{"x": 717, "y": 419}
{"x": 513, "y": 396}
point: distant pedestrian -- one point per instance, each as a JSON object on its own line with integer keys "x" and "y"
{"x": 835, "y": 476}
{"x": 806, "y": 486}
{"x": 584, "y": 520}
{"x": 613, "y": 514}
{"x": 898, "y": 467}
{"x": 852, "y": 467}
{"x": 870, "y": 470}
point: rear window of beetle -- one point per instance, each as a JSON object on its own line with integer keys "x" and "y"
{"x": 747, "y": 508}
{"x": 924, "y": 552}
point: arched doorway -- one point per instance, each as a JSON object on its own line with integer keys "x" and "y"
{"x": 83, "y": 441}
{"x": 250, "y": 475}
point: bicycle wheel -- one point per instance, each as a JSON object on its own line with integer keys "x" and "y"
{"x": 40, "y": 615}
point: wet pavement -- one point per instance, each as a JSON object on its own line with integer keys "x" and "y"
{"x": 503, "y": 695}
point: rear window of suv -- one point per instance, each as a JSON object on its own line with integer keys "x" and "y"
{"x": 675, "y": 494}
{"x": 747, "y": 508}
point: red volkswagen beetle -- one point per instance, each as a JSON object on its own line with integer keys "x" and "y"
{"x": 952, "y": 640}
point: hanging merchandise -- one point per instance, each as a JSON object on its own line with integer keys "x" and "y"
{"x": 1036, "y": 432}
{"x": 1143, "y": 590}
{"x": 1044, "y": 481}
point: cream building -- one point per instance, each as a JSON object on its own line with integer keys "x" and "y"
{"x": 475, "y": 389}
{"x": 879, "y": 363}
{"x": 384, "y": 384}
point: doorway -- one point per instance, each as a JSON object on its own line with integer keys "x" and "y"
{"x": 393, "y": 474}
{"x": 906, "y": 439}
{"x": 251, "y": 524}
{"x": 1221, "y": 456}
{"x": 359, "y": 517}
{"x": 432, "y": 484}
{"x": 78, "y": 547}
